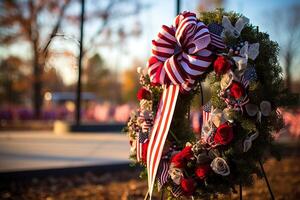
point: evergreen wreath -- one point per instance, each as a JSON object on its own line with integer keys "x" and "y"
{"x": 246, "y": 89}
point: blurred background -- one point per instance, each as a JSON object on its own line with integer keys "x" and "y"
{"x": 47, "y": 60}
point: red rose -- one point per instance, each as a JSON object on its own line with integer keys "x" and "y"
{"x": 143, "y": 94}
{"x": 178, "y": 161}
{"x": 187, "y": 152}
{"x": 144, "y": 151}
{"x": 181, "y": 158}
{"x": 188, "y": 186}
{"x": 222, "y": 65}
{"x": 224, "y": 134}
{"x": 236, "y": 90}
{"x": 202, "y": 170}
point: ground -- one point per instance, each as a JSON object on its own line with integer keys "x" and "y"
{"x": 284, "y": 177}
{"x": 29, "y": 150}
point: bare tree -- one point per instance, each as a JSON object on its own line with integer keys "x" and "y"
{"x": 106, "y": 14}
{"x": 19, "y": 21}
{"x": 287, "y": 28}
{"x": 27, "y": 21}
{"x": 206, "y": 5}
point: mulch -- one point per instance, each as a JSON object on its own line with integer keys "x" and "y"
{"x": 284, "y": 177}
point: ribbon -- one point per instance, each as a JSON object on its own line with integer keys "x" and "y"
{"x": 248, "y": 51}
{"x": 180, "y": 53}
{"x": 248, "y": 141}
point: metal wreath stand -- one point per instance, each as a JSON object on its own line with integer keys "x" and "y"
{"x": 240, "y": 185}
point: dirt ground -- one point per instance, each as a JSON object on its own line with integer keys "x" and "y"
{"x": 284, "y": 177}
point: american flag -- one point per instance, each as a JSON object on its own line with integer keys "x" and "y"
{"x": 176, "y": 190}
{"x": 215, "y": 31}
{"x": 217, "y": 41}
{"x": 248, "y": 76}
{"x": 206, "y": 112}
{"x": 162, "y": 173}
{"x": 141, "y": 138}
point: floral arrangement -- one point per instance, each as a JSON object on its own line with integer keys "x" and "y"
{"x": 240, "y": 64}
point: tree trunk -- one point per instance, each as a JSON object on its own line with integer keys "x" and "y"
{"x": 37, "y": 83}
{"x": 288, "y": 64}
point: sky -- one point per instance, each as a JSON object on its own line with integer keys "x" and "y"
{"x": 163, "y": 12}
{"x": 151, "y": 19}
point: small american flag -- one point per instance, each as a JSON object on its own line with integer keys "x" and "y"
{"x": 176, "y": 190}
{"x": 248, "y": 76}
{"x": 141, "y": 138}
{"x": 162, "y": 173}
{"x": 215, "y": 31}
{"x": 206, "y": 112}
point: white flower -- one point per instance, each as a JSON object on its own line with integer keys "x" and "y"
{"x": 228, "y": 113}
{"x": 188, "y": 144}
{"x": 133, "y": 148}
{"x": 176, "y": 174}
{"x": 219, "y": 166}
{"x": 139, "y": 70}
{"x": 145, "y": 105}
{"x": 142, "y": 71}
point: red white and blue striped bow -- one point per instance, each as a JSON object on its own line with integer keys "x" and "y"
{"x": 180, "y": 54}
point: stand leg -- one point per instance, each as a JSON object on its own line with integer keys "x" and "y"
{"x": 162, "y": 194}
{"x": 241, "y": 192}
{"x": 266, "y": 179}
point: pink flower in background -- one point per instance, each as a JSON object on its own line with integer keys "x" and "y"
{"x": 122, "y": 113}
{"x": 292, "y": 121}
{"x": 195, "y": 121}
{"x": 102, "y": 112}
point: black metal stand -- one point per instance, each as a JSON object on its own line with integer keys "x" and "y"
{"x": 241, "y": 192}
{"x": 162, "y": 194}
{"x": 266, "y": 179}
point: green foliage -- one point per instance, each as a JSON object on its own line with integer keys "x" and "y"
{"x": 100, "y": 80}
{"x": 270, "y": 87}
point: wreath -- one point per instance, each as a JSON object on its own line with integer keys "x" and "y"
{"x": 241, "y": 67}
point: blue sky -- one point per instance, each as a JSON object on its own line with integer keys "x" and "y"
{"x": 161, "y": 12}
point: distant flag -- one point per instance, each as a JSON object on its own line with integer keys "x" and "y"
{"x": 196, "y": 121}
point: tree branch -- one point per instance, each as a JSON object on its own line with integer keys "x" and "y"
{"x": 56, "y": 27}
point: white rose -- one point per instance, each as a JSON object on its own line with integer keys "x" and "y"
{"x": 176, "y": 174}
{"x": 219, "y": 166}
